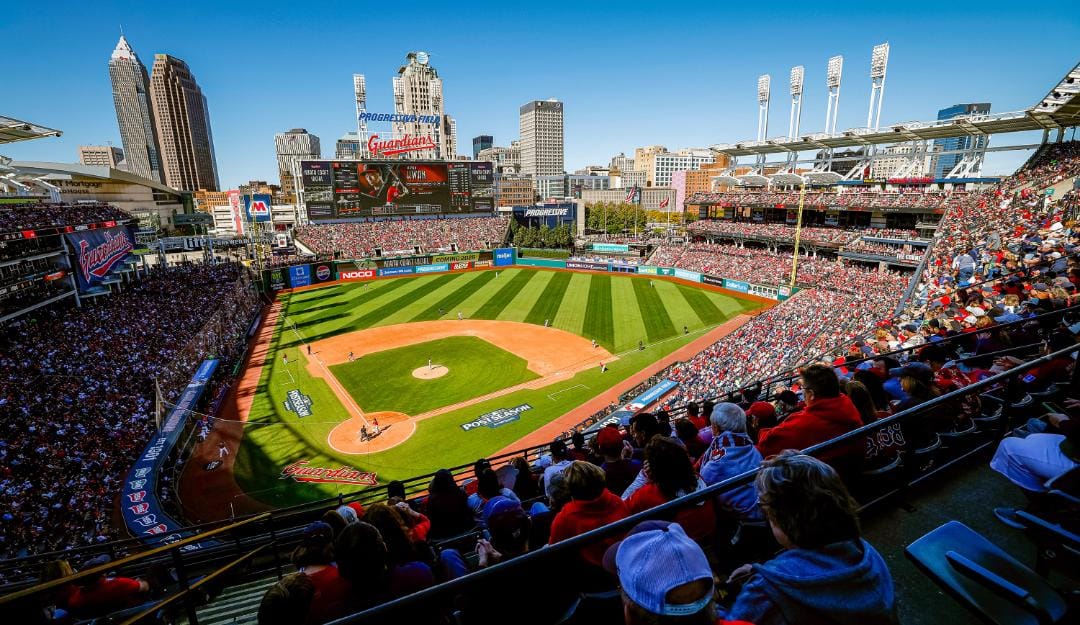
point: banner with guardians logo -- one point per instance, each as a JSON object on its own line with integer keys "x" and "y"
{"x": 97, "y": 252}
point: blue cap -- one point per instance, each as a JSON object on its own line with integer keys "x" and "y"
{"x": 655, "y": 558}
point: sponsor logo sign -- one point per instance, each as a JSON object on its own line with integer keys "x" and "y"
{"x": 692, "y": 276}
{"x": 461, "y": 265}
{"x": 98, "y": 251}
{"x": 433, "y": 268}
{"x": 407, "y": 143}
{"x": 610, "y": 247}
{"x": 258, "y": 206}
{"x": 710, "y": 280}
{"x": 277, "y": 279}
{"x": 300, "y": 471}
{"x": 323, "y": 272}
{"x": 647, "y": 269}
{"x": 357, "y": 274}
{"x": 407, "y": 262}
{"x": 403, "y": 118}
{"x": 504, "y": 256}
{"x": 299, "y": 275}
{"x": 736, "y": 285}
{"x": 298, "y": 403}
{"x": 482, "y": 263}
{"x": 636, "y": 405}
{"x": 453, "y": 258}
{"x": 395, "y": 271}
{"x": 581, "y": 264}
{"x": 496, "y": 418}
{"x": 547, "y": 212}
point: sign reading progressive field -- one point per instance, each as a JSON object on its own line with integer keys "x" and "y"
{"x": 373, "y": 188}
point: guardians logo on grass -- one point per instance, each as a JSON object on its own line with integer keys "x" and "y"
{"x": 298, "y": 402}
{"x": 496, "y": 418}
{"x": 299, "y": 471}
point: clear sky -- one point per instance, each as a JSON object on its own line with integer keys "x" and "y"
{"x": 678, "y": 74}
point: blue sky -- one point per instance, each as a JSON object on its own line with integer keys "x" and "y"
{"x": 680, "y": 74}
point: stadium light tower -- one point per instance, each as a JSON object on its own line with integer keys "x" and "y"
{"x": 360, "y": 91}
{"x": 796, "y": 101}
{"x": 763, "y": 88}
{"x": 832, "y": 81}
{"x": 879, "y": 62}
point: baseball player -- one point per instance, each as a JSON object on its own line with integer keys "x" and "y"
{"x": 429, "y": 364}
{"x": 459, "y": 317}
{"x": 375, "y": 424}
{"x": 222, "y": 451}
{"x": 350, "y": 356}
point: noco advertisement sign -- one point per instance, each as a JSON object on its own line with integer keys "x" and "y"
{"x": 375, "y": 188}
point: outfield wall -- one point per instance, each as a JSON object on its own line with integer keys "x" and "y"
{"x": 317, "y": 274}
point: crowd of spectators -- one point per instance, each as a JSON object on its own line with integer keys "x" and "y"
{"x": 401, "y": 236}
{"x": 15, "y": 217}
{"x": 903, "y": 252}
{"x": 77, "y": 389}
{"x": 624, "y": 260}
{"x": 907, "y": 199}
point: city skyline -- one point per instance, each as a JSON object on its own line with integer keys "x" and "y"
{"x": 692, "y": 97}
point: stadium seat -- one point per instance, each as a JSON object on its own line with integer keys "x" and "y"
{"x": 924, "y": 459}
{"x": 980, "y": 575}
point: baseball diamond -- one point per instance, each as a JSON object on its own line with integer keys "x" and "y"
{"x": 367, "y": 339}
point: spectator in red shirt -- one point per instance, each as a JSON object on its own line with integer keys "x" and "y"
{"x": 828, "y": 414}
{"x": 671, "y": 475}
{"x": 314, "y": 558}
{"x": 99, "y": 594}
{"x": 591, "y": 506}
{"x": 619, "y": 470}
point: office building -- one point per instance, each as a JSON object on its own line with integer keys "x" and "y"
{"x": 481, "y": 142}
{"x": 945, "y": 163}
{"x": 643, "y": 156}
{"x": 134, "y": 112}
{"x": 292, "y": 147}
{"x": 102, "y": 155}
{"x": 513, "y": 189}
{"x": 895, "y": 160}
{"x": 541, "y": 127}
{"x": 348, "y": 146}
{"x": 183, "y": 126}
{"x": 418, "y": 91}
{"x": 652, "y": 198}
{"x": 662, "y": 164}
{"x": 205, "y": 201}
{"x": 569, "y": 185}
{"x": 507, "y": 160}
{"x": 622, "y": 163}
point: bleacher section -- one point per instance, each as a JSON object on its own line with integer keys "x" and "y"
{"x": 400, "y": 237}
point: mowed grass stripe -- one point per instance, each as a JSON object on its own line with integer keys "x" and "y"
{"x": 380, "y": 313}
{"x": 545, "y": 308}
{"x": 700, "y": 303}
{"x": 657, "y": 322}
{"x": 681, "y": 313}
{"x": 499, "y": 301}
{"x": 571, "y": 315}
{"x": 629, "y": 326}
{"x": 520, "y": 306}
{"x": 599, "y": 321}
{"x": 449, "y": 303}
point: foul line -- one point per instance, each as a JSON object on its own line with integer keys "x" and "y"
{"x": 332, "y": 380}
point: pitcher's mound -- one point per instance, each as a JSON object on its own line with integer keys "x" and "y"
{"x": 430, "y": 373}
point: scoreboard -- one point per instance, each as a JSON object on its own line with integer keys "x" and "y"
{"x": 344, "y": 189}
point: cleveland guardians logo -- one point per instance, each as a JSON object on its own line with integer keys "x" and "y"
{"x": 99, "y": 260}
{"x": 299, "y": 471}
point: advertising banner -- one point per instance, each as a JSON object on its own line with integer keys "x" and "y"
{"x": 433, "y": 268}
{"x": 623, "y": 415}
{"x": 647, "y": 269}
{"x": 538, "y": 262}
{"x": 275, "y": 279}
{"x": 482, "y": 263}
{"x": 299, "y": 275}
{"x": 692, "y": 276}
{"x": 323, "y": 272}
{"x": 712, "y": 281}
{"x": 143, "y": 513}
{"x": 504, "y": 256}
{"x": 453, "y": 258}
{"x": 353, "y": 275}
{"x": 258, "y": 207}
{"x": 97, "y": 252}
{"x": 610, "y": 247}
{"x": 410, "y": 261}
{"x": 589, "y": 266}
{"x": 461, "y": 265}
{"x": 736, "y": 285}
{"x": 396, "y": 271}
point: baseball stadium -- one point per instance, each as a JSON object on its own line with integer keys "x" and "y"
{"x": 821, "y": 378}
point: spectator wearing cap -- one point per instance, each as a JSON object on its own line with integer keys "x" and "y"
{"x": 314, "y": 557}
{"x": 619, "y": 470}
{"x": 827, "y": 572}
{"x": 664, "y": 576}
{"x": 542, "y": 516}
{"x": 828, "y": 414}
{"x": 580, "y": 451}
{"x": 732, "y": 453}
{"x": 100, "y": 594}
{"x": 287, "y": 602}
{"x": 447, "y": 506}
{"x": 760, "y": 415}
{"x": 670, "y": 475}
{"x": 488, "y": 492}
{"x": 560, "y": 460}
{"x": 591, "y": 505}
{"x": 917, "y": 380}
{"x": 509, "y": 527}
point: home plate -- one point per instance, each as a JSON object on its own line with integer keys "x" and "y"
{"x": 430, "y": 373}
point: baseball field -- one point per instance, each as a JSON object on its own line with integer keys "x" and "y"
{"x": 399, "y": 377}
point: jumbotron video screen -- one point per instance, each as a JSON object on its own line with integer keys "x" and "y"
{"x": 336, "y": 190}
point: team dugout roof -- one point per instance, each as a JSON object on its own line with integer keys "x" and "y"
{"x": 12, "y": 130}
{"x": 1059, "y": 109}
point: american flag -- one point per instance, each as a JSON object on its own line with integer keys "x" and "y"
{"x": 664, "y": 203}
{"x": 631, "y": 194}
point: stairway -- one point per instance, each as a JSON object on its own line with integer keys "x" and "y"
{"x": 236, "y": 605}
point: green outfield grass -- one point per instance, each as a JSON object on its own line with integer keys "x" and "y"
{"x": 384, "y": 381}
{"x": 616, "y": 310}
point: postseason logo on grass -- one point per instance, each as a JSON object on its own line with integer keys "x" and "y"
{"x": 298, "y": 402}
{"x": 496, "y": 418}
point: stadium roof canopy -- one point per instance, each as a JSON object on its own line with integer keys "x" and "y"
{"x": 99, "y": 172}
{"x": 1059, "y": 109}
{"x": 12, "y": 130}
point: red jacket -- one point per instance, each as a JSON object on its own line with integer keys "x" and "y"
{"x": 824, "y": 419}
{"x": 578, "y": 517}
{"x": 699, "y": 520}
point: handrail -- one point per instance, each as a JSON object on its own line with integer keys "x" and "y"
{"x": 42, "y": 587}
{"x": 197, "y": 584}
{"x": 625, "y": 524}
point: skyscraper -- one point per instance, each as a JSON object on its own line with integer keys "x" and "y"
{"x": 134, "y": 112}
{"x": 418, "y": 91}
{"x": 348, "y": 146}
{"x": 102, "y": 155}
{"x": 481, "y": 142}
{"x": 944, "y": 164}
{"x": 183, "y": 126}
{"x": 292, "y": 147}
{"x": 541, "y": 126}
